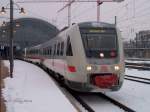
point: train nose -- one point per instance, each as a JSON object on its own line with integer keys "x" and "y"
{"x": 104, "y": 81}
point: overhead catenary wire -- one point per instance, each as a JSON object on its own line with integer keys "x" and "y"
{"x": 125, "y": 13}
{"x": 56, "y": 1}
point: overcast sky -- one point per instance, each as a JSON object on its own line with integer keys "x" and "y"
{"x": 132, "y": 15}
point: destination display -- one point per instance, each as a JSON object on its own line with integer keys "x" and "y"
{"x": 98, "y": 30}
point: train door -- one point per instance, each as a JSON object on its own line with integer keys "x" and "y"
{"x": 69, "y": 57}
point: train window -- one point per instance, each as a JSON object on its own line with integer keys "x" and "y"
{"x": 44, "y": 51}
{"x": 58, "y": 48}
{"x": 69, "y": 48}
{"x": 37, "y": 51}
{"x": 41, "y": 52}
{"x": 47, "y": 52}
{"x": 54, "y": 49}
{"x": 50, "y": 50}
{"x": 62, "y": 48}
{"x": 99, "y": 40}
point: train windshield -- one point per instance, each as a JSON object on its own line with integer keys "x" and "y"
{"x": 99, "y": 42}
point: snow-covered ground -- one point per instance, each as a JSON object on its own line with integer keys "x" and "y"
{"x": 133, "y": 94}
{"x": 32, "y": 90}
{"x": 138, "y": 73}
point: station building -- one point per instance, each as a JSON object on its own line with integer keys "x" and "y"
{"x": 140, "y": 46}
{"x": 27, "y": 32}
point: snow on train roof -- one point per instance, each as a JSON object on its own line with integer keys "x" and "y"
{"x": 96, "y": 24}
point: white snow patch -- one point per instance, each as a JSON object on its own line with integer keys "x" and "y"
{"x": 32, "y": 90}
{"x": 138, "y": 73}
{"x": 134, "y": 94}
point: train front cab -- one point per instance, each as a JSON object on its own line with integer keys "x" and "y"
{"x": 90, "y": 74}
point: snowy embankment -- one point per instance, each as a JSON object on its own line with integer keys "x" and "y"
{"x": 32, "y": 90}
{"x": 134, "y": 94}
{"x": 138, "y": 73}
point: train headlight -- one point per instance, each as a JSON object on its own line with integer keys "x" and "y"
{"x": 116, "y": 67}
{"x": 101, "y": 55}
{"x": 88, "y": 68}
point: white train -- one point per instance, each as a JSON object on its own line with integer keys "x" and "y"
{"x": 88, "y": 56}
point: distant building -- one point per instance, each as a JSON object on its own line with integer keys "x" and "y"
{"x": 140, "y": 46}
{"x": 27, "y": 32}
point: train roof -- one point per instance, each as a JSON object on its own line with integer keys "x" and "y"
{"x": 35, "y": 47}
{"x": 81, "y": 25}
{"x": 96, "y": 24}
{"x": 90, "y": 24}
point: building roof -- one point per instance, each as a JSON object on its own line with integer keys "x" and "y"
{"x": 30, "y": 32}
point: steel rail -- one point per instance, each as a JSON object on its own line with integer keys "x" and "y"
{"x": 124, "y": 107}
{"x": 144, "y": 65}
{"x": 137, "y": 80}
{"x": 138, "y": 67}
{"x": 82, "y": 102}
{"x": 147, "y": 79}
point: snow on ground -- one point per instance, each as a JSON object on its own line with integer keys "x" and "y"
{"x": 134, "y": 94}
{"x": 32, "y": 90}
{"x": 138, "y": 73}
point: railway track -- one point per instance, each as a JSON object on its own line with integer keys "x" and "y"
{"x": 137, "y": 79}
{"x": 84, "y": 104}
{"x": 81, "y": 101}
{"x": 88, "y": 108}
{"x": 117, "y": 103}
{"x": 71, "y": 92}
{"x": 109, "y": 99}
{"x": 141, "y": 66}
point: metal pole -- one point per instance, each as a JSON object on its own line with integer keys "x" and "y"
{"x": 69, "y": 14}
{"x": 11, "y": 40}
{"x": 116, "y": 20}
{"x": 98, "y": 10}
{"x": 99, "y": 2}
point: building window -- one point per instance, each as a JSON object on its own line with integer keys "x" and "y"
{"x": 54, "y": 49}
